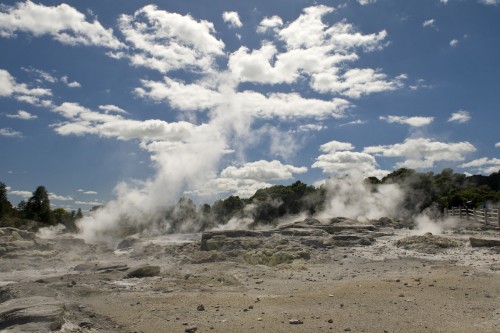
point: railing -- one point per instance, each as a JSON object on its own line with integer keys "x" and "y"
{"x": 487, "y": 215}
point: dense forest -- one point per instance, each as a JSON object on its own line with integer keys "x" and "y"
{"x": 421, "y": 190}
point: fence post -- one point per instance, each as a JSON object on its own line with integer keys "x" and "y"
{"x": 460, "y": 211}
{"x": 485, "y": 211}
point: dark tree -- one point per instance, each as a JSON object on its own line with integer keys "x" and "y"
{"x": 5, "y": 205}
{"x": 38, "y": 206}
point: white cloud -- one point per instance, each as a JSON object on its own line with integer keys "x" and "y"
{"x": 423, "y": 152}
{"x": 490, "y": 2}
{"x": 311, "y": 127}
{"x": 233, "y": 19}
{"x": 269, "y": 23}
{"x": 412, "y": 121}
{"x": 366, "y": 2}
{"x": 333, "y": 146}
{"x": 88, "y": 203}
{"x": 111, "y": 108}
{"x": 354, "y": 122}
{"x": 20, "y": 91}
{"x": 429, "y": 23}
{"x": 460, "y": 116}
{"x": 262, "y": 171}
{"x": 53, "y": 196}
{"x": 356, "y": 82}
{"x": 497, "y": 145}
{"x": 21, "y": 114}
{"x": 483, "y": 165}
{"x": 167, "y": 41}
{"x": 196, "y": 96}
{"x": 10, "y": 133}
{"x": 315, "y": 50}
{"x": 23, "y": 194}
{"x": 42, "y": 75}
{"x": 63, "y": 22}
{"x": 308, "y": 30}
{"x": 245, "y": 180}
{"x": 454, "y": 42}
{"x": 90, "y": 192}
{"x": 346, "y": 162}
{"x": 72, "y": 84}
{"x": 188, "y": 97}
{"x": 85, "y": 121}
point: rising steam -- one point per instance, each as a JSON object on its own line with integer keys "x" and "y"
{"x": 349, "y": 196}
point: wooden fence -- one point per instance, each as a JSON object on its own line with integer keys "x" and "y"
{"x": 487, "y": 216}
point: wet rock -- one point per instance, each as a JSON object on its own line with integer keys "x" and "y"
{"x": 44, "y": 313}
{"x": 483, "y": 242}
{"x": 143, "y": 271}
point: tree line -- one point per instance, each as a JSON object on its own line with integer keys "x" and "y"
{"x": 422, "y": 191}
{"x": 37, "y": 209}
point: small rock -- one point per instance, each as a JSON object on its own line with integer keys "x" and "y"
{"x": 295, "y": 322}
{"x": 330, "y": 321}
{"x": 143, "y": 271}
{"x": 200, "y": 307}
{"x": 191, "y": 329}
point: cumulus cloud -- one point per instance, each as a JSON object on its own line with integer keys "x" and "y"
{"x": 483, "y": 165}
{"x": 423, "y": 152}
{"x": 270, "y": 23}
{"x": 196, "y": 96}
{"x": 411, "y": 121}
{"x": 460, "y": 116}
{"x": 63, "y": 22}
{"x": 333, "y": 146}
{"x": 356, "y": 82}
{"x": 454, "y": 42}
{"x": 317, "y": 51}
{"x": 366, "y": 2}
{"x": 20, "y": 91}
{"x": 21, "y": 114}
{"x": 263, "y": 171}
{"x": 167, "y": 41}
{"x": 246, "y": 179}
{"x": 70, "y": 84}
{"x": 497, "y": 145}
{"x": 346, "y": 162}
{"x": 233, "y": 19}
{"x": 23, "y": 194}
{"x": 10, "y": 133}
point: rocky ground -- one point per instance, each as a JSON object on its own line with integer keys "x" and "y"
{"x": 309, "y": 276}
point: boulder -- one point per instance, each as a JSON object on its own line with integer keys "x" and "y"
{"x": 32, "y": 314}
{"x": 482, "y": 242}
{"x": 143, "y": 271}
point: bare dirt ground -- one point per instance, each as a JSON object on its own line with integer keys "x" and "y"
{"x": 380, "y": 287}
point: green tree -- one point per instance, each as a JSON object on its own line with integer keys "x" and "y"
{"x": 38, "y": 206}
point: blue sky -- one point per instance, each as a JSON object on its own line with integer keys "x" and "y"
{"x": 148, "y": 101}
